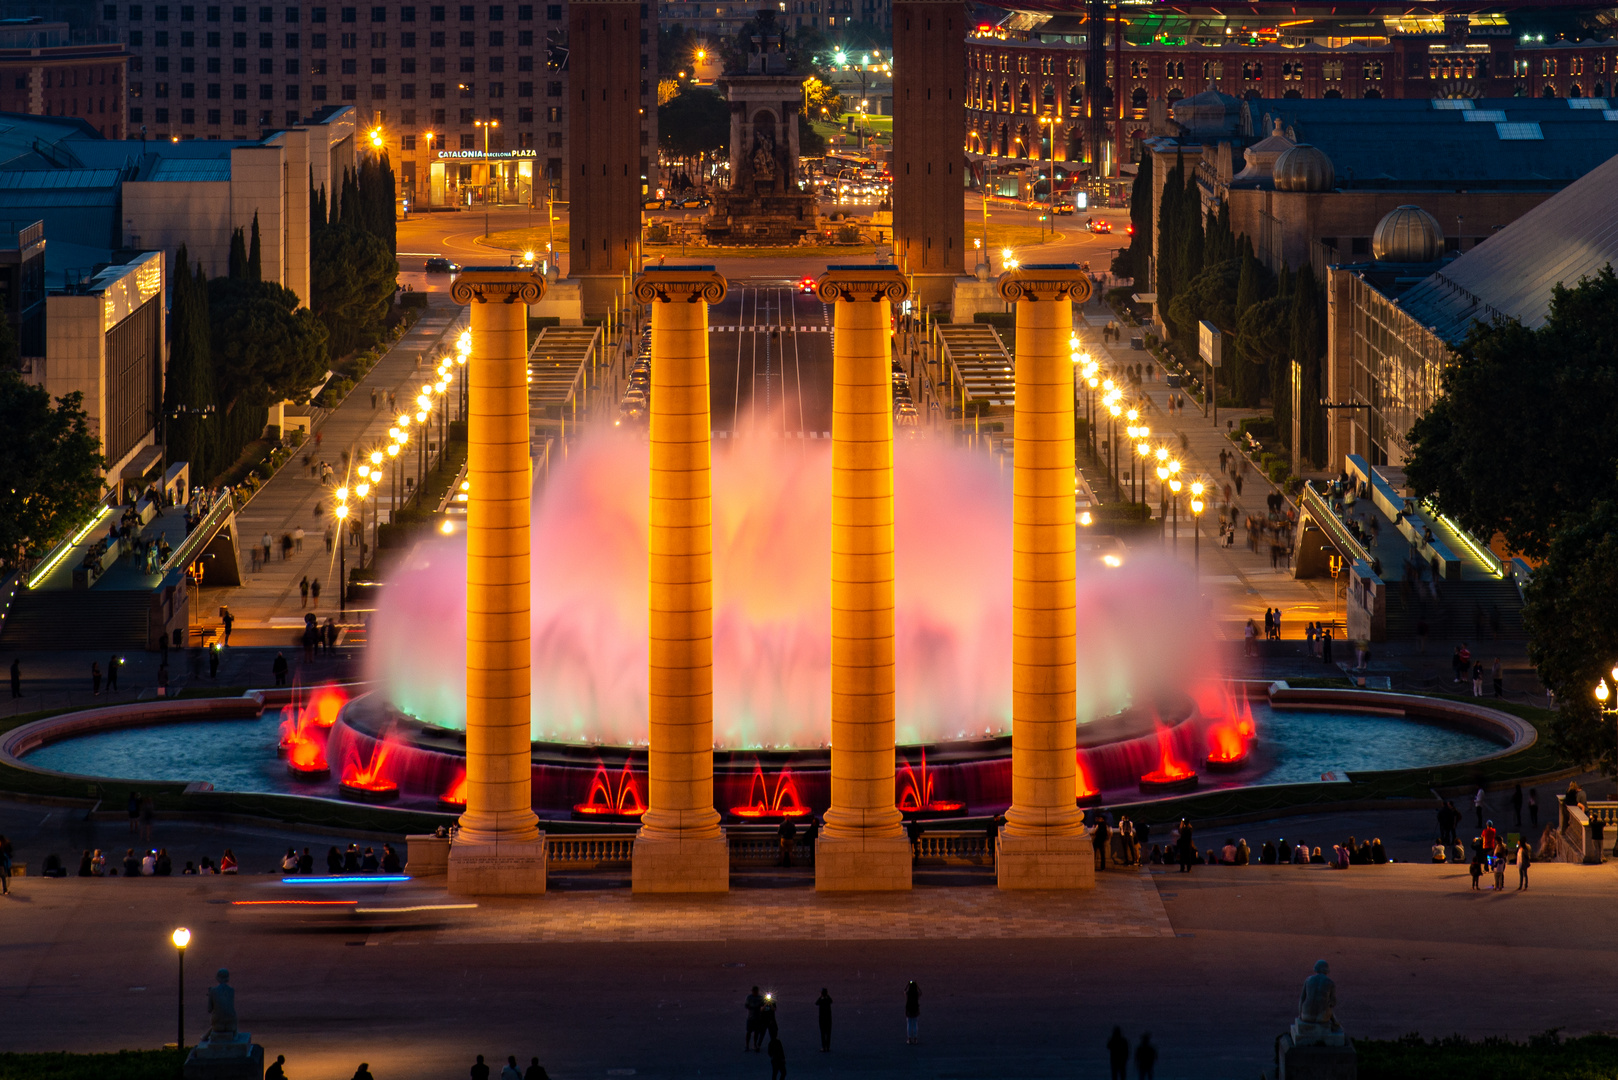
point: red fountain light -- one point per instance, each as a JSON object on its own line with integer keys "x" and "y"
{"x": 304, "y": 751}
{"x": 783, "y": 803}
{"x": 1085, "y": 791}
{"x": 1171, "y": 775}
{"x": 369, "y": 782}
{"x": 1228, "y": 738}
{"x": 916, "y": 797}
{"x": 326, "y": 703}
{"x": 455, "y": 797}
{"x": 612, "y": 798}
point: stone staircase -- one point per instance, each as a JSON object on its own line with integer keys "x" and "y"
{"x": 77, "y": 619}
{"x": 1470, "y": 611}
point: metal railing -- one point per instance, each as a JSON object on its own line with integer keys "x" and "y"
{"x": 192, "y": 545}
{"x": 1321, "y": 511}
{"x": 586, "y": 851}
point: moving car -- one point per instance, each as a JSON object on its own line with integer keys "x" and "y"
{"x": 806, "y": 284}
{"x": 1098, "y": 226}
{"x": 440, "y": 265}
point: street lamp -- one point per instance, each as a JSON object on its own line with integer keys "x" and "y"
{"x": 1197, "y": 506}
{"x": 1050, "y": 121}
{"x": 341, "y": 513}
{"x": 1174, "y": 486}
{"x": 181, "y": 938}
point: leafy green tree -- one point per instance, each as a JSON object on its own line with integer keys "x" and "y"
{"x": 1571, "y": 616}
{"x": 51, "y": 463}
{"x": 266, "y": 348}
{"x": 1521, "y": 441}
{"x": 189, "y": 398}
{"x": 1211, "y": 295}
{"x": 353, "y": 279}
{"x": 694, "y": 122}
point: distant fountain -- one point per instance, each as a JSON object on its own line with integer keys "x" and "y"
{"x": 1142, "y": 634}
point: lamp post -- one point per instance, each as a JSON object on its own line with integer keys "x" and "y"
{"x": 1174, "y": 486}
{"x": 1050, "y": 211}
{"x": 1143, "y": 450}
{"x": 340, "y": 511}
{"x": 181, "y": 938}
{"x": 1197, "y": 506}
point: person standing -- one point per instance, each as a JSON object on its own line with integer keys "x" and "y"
{"x": 229, "y": 620}
{"x": 1524, "y": 859}
{"x": 1325, "y": 646}
{"x": 280, "y": 669}
{"x": 510, "y": 1072}
{"x": 480, "y": 1071}
{"x": 535, "y": 1071}
{"x": 163, "y": 678}
{"x": 1477, "y": 805}
{"x": 213, "y": 662}
{"x": 297, "y": 539}
{"x": 1145, "y": 1057}
{"x": 303, "y": 591}
{"x": 1099, "y": 839}
{"x": 823, "y": 1005}
{"x": 787, "y": 834}
{"x": 778, "y": 1058}
{"x": 1183, "y": 844}
{"x": 912, "y": 1013}
{"x": 314, "y": 593}
{"x": 113, "y": 663}
{"x": 1498, "y": 674}
{"x": 754, "y": 1005}
{"x": 264, "y": 544}
{"x": 1118, "y": 1051}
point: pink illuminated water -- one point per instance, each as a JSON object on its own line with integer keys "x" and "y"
{"x": 1141, "y": 629}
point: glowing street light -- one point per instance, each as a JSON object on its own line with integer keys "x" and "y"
{"x": 181, "y": 938}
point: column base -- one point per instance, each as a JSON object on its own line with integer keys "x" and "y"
{"x": 863, "y": 864}
{"x": 516, "y": 869}
{"x": 681, "y": 866}
{"x": 1045, "y": 862}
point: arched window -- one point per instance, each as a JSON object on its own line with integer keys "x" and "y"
{"x": 1548, "y": 92}
{"x": 1175, "y": 95}
{"x": 1047, "y": 96}
{"x": 1252, "y": 94}
{"x": 1333, "y": 93}
{"x": 1574, "y": 91}
{"x": 1293, "y": 93}
{"x": 1373, "y": 94}
{"x": 1025, "y": 96}
{"x": 1005, "y": 94}
{"x": 1075, "y": 96}
{"x": 1598, "y": 90}
{"x": 1075, "y": 144}
{"x": 1005, "y": 141}
{"x": 1138, "y": 98}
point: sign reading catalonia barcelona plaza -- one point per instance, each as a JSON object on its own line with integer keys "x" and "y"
{"x": 479, "y": 155}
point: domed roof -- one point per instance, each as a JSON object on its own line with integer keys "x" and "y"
{"x": 1261, "y": 155}
{"x": 1208, "y": 113}
{"x": 1304, "y": 168}
{"x": 1408, "y": 234}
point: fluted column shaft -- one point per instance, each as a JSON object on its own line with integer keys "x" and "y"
{"x": 680, "y": 562}
{"x": 499, "y": 800}
{"x": 1043, "y": 613}
{"x": 862, "y": 637}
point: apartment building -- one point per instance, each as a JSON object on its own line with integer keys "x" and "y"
{"x": 51, "y": 69}
{"x": 468, "y": 99}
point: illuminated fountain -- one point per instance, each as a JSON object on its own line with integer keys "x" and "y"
{"x": 1172, "y": 776}
{"x": 1229, "y": 737}
{"x": 304, "y": 734}
{"x": 917, "y": 799}
{"x": 366, "y": 779}
{"x": 612, "y": 798}
{"x": 771, "y": 802}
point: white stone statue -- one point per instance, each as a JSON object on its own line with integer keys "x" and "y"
{"x": 1317, "y": 1005}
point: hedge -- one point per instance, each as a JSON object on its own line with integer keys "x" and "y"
{"x": 1542, "y": 1057}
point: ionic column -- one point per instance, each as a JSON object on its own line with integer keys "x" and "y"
{"x": 1043, "y": 844}
{"x": 863, "y": 845}
{"x": 680, "y": 847}
{"x": 499, "y": 848}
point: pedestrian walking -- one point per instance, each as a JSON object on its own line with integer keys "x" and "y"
{"x": 297, "y": 539}
{"x": 1118, "y": 1054}
{"x": 1145, "y": 1057}
{"x": 328, "y": 539}
{"x": 264, "y": 544}
{"x": 314, "y": 593}
{"x": 95, "y": 678}
{"x": 823, "y": 1006}
{"x": 280, "y": 669}
{"x": 373, "y": 407}
{"x": 16, "y": 677}
{"x": 132, "y": 808}
{"x": 229, "y": 620}
{"x": 778, "y": 1058}
{"x": 303, "y": 591}
{"x": 1477, "y": 679}
{"x": 912, "y": 1013}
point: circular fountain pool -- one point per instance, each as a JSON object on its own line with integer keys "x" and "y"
{"x": 1295, "y": 741}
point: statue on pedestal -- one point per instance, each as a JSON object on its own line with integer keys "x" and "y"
{"x": 222, "y": 1005}
{"x": 1317, "y": 1005}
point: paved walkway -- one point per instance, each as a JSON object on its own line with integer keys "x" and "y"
{"x": 270, "y": 600}
{"x": 1240, "y": 583}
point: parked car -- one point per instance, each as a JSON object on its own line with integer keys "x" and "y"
{"x": 656, "y": 204}
{"x": 694, "y": 202}
{"x": 440, "y": 265}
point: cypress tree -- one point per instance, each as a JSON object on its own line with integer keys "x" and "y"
{"x": 1168, "y": 233}
{"x": 1243, "y": 373}
{"x": 1140, "y": 216}
{"x": 1307, "y": 341}
{"x": 237, "y": 266}
{"x": 189, "y": 398}
{"x": 255, "y": 266}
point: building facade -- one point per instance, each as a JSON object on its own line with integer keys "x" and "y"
{"x": 469, "y": 100}
{"x": 1026, "y": 70}
{"x": 49, "y": 69}
{"x": 722, "y": 22}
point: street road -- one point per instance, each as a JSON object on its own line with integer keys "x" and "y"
{"x": 770, "y": 361}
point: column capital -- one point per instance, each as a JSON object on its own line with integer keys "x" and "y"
{"x": 873, "y": 283}
{"x": 668, "y": 284}
{"x": 502, "y": 284}
{"x": 1053, "y": 281}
